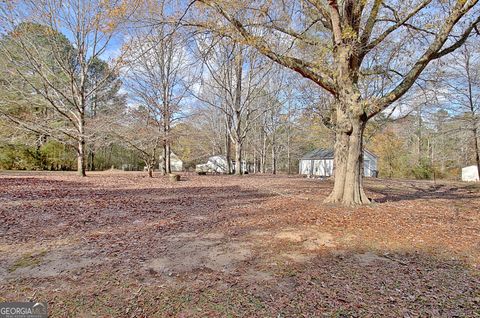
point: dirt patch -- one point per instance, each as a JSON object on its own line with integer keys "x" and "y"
{"x": 298, "y": 257}
{"x": 195, "y": 252}
{"x": 368, "y": 258}
{"x": 50, "y": 264}
{"x": 258, "y": 276}
{"x": 311, "y": 238}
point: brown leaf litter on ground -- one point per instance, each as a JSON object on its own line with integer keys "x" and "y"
{"x": 119, "y": 244}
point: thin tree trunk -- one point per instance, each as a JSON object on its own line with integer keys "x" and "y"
{"x": 228, "y": 146}
{"x": 419, "y": 136}
{"x": 254, "y": 160}
{"x": 238, "y": 158}
{"x": 477, "y": 151}
{"x": 237, "y": 113}
{"x": 263, "y": 158}
{"x": 274, "y": 160}
{"x": 92, "y": 160}
{"x": 168, "y": 157}
{"x": 289, "y": 164}
{"x": 164, "y": 159}
{"x": 150, "y": 170}
{"x": 81, "y": 157}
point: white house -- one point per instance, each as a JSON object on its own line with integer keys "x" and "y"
{"x": 319, "y": 162}
{"x": 470, "y": 173}
{"x": 176, "y": 164}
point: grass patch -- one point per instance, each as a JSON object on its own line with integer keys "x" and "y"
{"x": 27, "y": 260}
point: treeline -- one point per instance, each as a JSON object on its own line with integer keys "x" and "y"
{"x": 55, "y": 156}
{"x": 425, "y": 147}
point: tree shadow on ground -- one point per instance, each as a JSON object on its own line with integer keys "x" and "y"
{"x": 415, "y": 192}
{"x": 62, "y": 208}
{"x": 359, "y": 283}
{"x": 353, "y": 283}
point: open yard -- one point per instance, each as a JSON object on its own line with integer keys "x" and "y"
{"x": 124, "y": 245}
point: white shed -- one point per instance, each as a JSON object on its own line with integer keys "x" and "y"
{"x": 176, "y": 164}
{"x": 320, "y": 163}
{"x": 219, "y": 164}
{"x": 370, "y": 167}
{"x": 470, "y": 173}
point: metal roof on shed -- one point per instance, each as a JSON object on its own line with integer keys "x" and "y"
{"x": 319, "y": 154}
{"x": 323, "y": 153}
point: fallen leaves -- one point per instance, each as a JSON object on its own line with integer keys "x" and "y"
{"x": 241, "y": 246}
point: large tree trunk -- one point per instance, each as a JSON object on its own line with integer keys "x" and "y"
{"x": 81, "y": 157}
{"x": 348, "y": 161}
{"x": 351, "y": 119}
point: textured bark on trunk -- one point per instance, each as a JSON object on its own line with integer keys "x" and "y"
{"x": 348, "y": 160}
{"x": 237, "y": 120}
{"x": 350, "y": 122}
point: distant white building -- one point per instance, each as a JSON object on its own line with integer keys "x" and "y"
{"x": 129, "y": 167}
{"x": 470, "y": 173}
{"x": 219, "y": 164}
{"x": 320, "y": 163}
{"x": 176, "y": 164}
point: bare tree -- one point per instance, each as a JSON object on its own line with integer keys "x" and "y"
{"x": 463, "y": 92}
{"x": 235, "y": 82}
{"x": 58, "y": 72}
{"x": 159, "y": 77}
{"x": 273, "y": 119}
{"x": 137, "y": 129}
